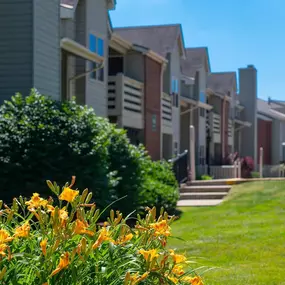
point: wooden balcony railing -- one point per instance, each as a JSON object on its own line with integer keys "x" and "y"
{"x": 125, "y": 100}
{"x": 166, "y": 114}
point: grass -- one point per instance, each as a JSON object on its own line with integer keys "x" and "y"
{"x": 244, "y": 238}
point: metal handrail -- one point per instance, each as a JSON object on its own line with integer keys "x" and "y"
{"x": 181, "y": 166}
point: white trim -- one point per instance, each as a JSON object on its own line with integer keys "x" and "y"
{"x": 279, "y": 115}
{"x": 243, "y": 123}
{"x": 80, "y": 50}
{"x": 66, "y": 11}
{"x": 263, "y": 117}
{"x": 204, "y": 105}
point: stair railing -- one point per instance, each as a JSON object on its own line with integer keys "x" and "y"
{"x": 180, "y": 166}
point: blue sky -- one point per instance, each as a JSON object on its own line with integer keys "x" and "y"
{"x": 237, "y": 32}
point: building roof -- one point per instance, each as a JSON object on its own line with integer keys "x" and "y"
{"x": 73, "y": 3}
{"x": 222, "y": 82}
{"x": 195, "y": 59}
{"x": 161, "y": 39}
{"x": 273, "y": 110}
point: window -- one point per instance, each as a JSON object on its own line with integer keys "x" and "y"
{"x": 96, "y": 45}
{"x": 174, "y": 85}
{"x": 202, "y": 112}
{"x": 175, "y": 91}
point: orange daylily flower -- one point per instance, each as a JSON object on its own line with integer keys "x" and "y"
{"x": 43, "y": 245}
{"x": 178, "y": 270}
{"x": 193, "y": 280}
{"x": 22, "y": 231}
{"x": 81, "y": 228}
{"x": 161, "y": 228}
{"x": 124, "y": 239}
{"x": 177, "y": 258}
{"x": 68, "y": 194}
{"x": 135, "y": 278}
{"x": 149, "y": 255}
{"x": 4, "y": 236}
{"x": 63, "y": 263}
{"x": 36, "y": 202}
{"x": 173, "y": 279}
{"x": 103, "y": 236}
{"x": 3, "y": 248}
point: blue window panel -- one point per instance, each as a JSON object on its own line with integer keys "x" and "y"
{"x": 92, "y": 43}
{"x": 100, "y": 47}
{"x": 202, "y": 97}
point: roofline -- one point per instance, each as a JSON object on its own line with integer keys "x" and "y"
{"x": 183, "y": 52}
{"x": 207, "y": 55}
{"x": 126, "y": 45}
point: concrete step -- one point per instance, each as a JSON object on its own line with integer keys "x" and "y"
{"x": 215, "y": 182}
{"x": 205, "y": 188}
{"x": 202, "y": 195}
{"x": 199, "y": 203}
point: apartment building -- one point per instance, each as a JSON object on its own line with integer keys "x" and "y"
{"x": 142, "y": 78}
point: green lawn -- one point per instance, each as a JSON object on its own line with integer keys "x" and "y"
{"x": 244, "y": 237}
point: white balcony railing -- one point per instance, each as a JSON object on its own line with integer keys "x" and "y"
{"x": 166, "y": 114}
{"x": 125, "y": 100}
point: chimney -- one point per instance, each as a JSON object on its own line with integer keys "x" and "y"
{"x": 248, "y": 98}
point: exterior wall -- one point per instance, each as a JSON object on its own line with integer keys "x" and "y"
{"x": 46, "y": 65}
{"x": 248, "y": 98}
{"x": 16, "y": 47}
{"x": 152, "y": 106}
{"x": 276, "y": 142}
{"x": 176, "y": 71}
{"x": 97, "y": 23}
{"x": 67, "y": 30}
{"x": 134, "y": 66}
{"x": 167, "y": 76}
{"x": 80, "y": 37}
{"x": 264, "y": 140}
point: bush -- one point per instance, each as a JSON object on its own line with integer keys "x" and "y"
{"x": 160, "y": 188}
{"x": 247, "y": 163}
{"x": 206, "y": 177}
{"x": 255, "y": 175}
{"x": 45, "y": 244}
{"x": 41, "y": 138}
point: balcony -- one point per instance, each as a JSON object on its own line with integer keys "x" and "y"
{"x": 126, "y": 101}
{"x": 166, "y": 114}
{"x": 230, "y": 133}
{"x": 216, "y": 127}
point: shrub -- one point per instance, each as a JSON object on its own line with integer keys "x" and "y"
{"x": 42, "y": 243}
{"x": 206, "y": 177}
{"x": 247, "y": 163}
{"x": 255, "y": 175}
{"x": 160, "y": 188}
{"x": 41, "y": 138}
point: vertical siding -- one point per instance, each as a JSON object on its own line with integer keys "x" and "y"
{"x": 152, "y": 107}
{"x": 97, "y": 23}
{"x": 47, "y": 47}
{"x": 67, "y": 30}
{"x": 176, "y": 71}
{"x": 16, "y": 47}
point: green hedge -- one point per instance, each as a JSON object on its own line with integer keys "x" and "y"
{"x": 44, "y": 139}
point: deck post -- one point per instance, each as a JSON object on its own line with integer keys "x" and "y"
{"x": 261, "y": 162}
{"x": 192, "y": 153}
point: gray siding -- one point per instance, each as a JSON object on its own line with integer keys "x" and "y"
{"x": 47, "y": 47}
{"x": 67, "y": 30}
{"x": 16, "y": 53}
{"x": 134, "y": 66}
{"x": 248, "y": 98}
{"x": 175, "y": 70}
{"x": 97, "y": 23}
{"x": 80, "y": 37}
